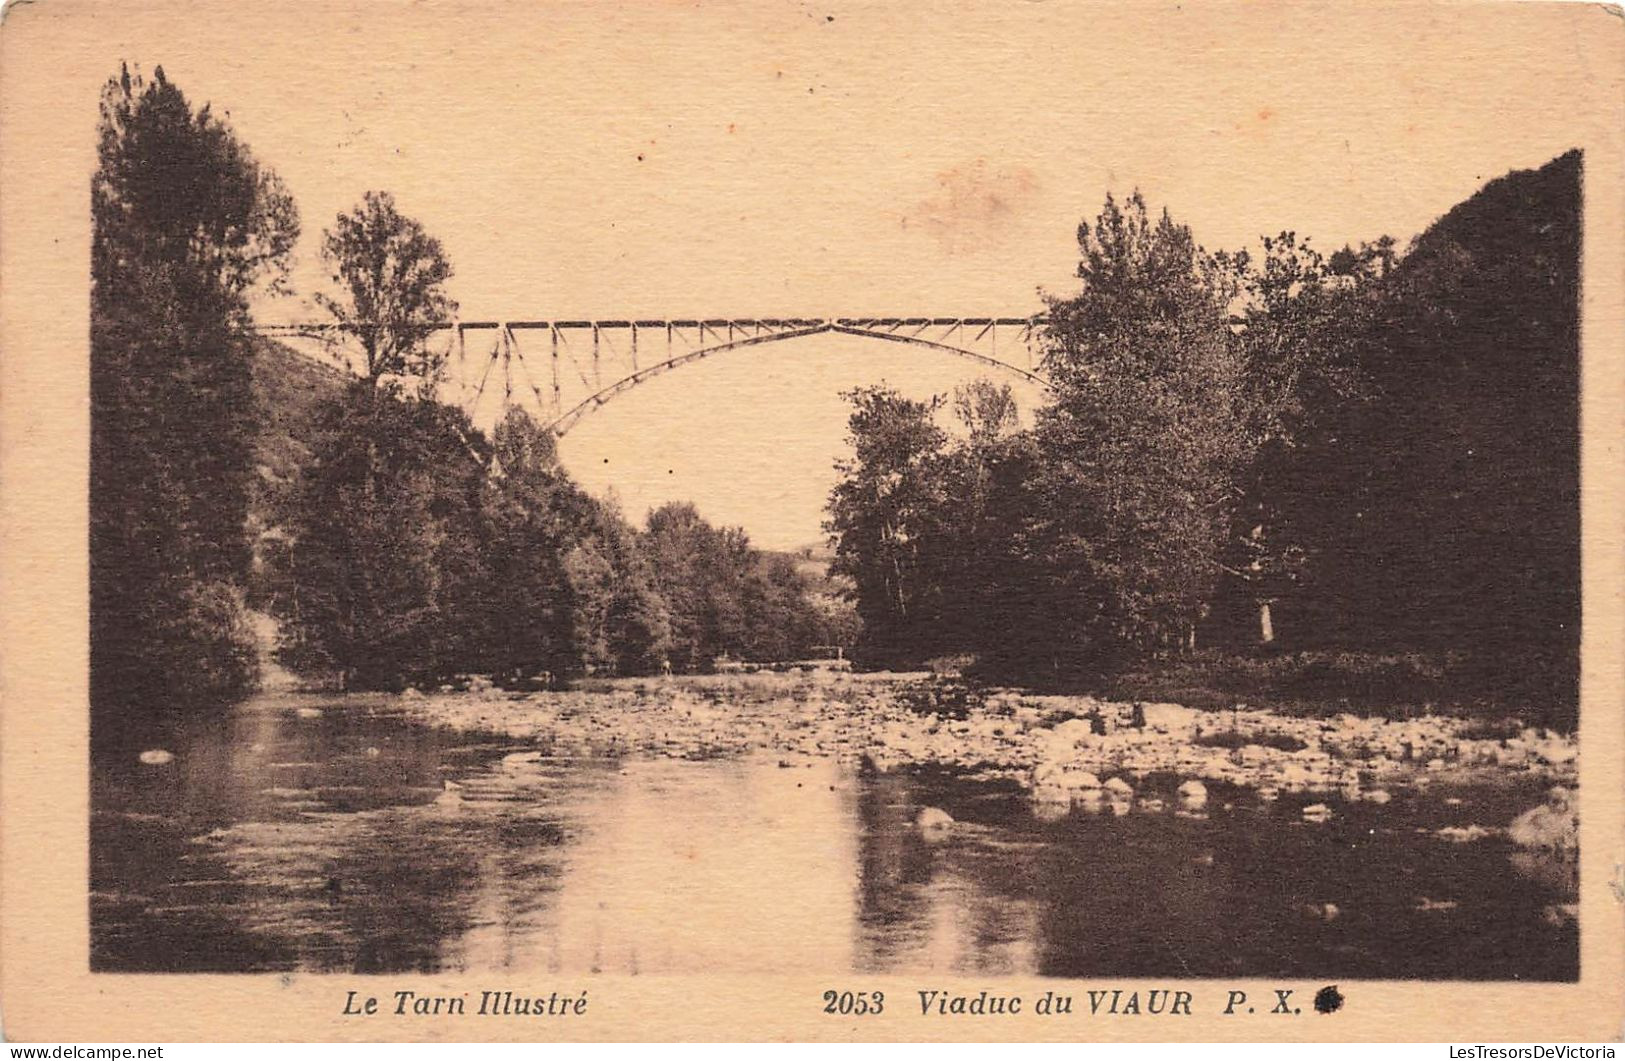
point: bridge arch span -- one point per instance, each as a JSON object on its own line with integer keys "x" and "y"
{"x": 862, "y": 328}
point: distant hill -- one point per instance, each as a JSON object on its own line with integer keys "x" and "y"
{"x": 812, "y": 561}
{"x": 289, "y": 388}
{"x": 821, "y": 551}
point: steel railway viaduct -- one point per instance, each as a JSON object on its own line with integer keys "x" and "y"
{"x": 569, "y": 368}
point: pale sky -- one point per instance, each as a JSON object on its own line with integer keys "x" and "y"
{"x": 789, "y": 159}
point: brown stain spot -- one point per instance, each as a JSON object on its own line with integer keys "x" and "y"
{"x": 1265, "y": 114}
{"x": 731, "y": 127}
{"x": 974, "y": 205}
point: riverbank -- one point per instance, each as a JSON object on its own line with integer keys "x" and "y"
{"x": 1067, "y": 751}
{"x": 1505, "y": 698}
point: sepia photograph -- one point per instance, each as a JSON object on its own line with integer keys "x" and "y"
{"x": 982, "y": 494}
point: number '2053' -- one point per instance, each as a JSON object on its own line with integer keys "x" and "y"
{"x": 854, "y": 1003}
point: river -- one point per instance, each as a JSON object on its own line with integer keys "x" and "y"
{"x": 337, "y": 834}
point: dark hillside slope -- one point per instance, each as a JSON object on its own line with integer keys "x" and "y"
{"x": 1461, "y": 520}
{"x": 289, "y": 389}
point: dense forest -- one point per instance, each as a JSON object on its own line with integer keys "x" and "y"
{"x": 394, "y": 542}
{"x": 1359, "y": 452}
{"x": 1285, "y": 451}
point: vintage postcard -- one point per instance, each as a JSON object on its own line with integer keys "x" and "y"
{"x": 785, "y": 521}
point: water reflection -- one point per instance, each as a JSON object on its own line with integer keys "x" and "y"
{"x": 331, "y": 836}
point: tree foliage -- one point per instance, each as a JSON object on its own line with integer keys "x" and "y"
{"x": 185, "y": 222}
{"x": 1145, "y": 435}
{"x": 1381, "y": 447}
{"x": 392, "y": 276}
{"x": 529, "y": 518}
{"x": 385, "y": 501}
{"x": 412, "y": 560}
{"x": 1296, "y": 316}
{"x": 725, "y": 598}
{"x": 880, "y": 512}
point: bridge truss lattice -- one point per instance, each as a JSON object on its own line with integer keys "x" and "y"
{"x": 561, "y": 370}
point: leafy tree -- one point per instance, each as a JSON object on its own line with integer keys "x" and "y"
{"x": 392, "y": 275}
{"x": 185, "y": 223}
{"x": 880, "y": 512}
{"x": 835, "y": 622}
{"x": 780, "y": 621}
{"x": 983, "y": 500}
{"x": 699, "y": 572}
{"x": 1389, "y": 444}
{"x": 619, "y": 620}
{"x": 383, "y": 534}
{"x": 1143, "y": 441}
{"x": 724, "y": 597}
{"x": 987, "y": 411}
{"x": 524, "y": 605}
{"x": 1296, "y": 315}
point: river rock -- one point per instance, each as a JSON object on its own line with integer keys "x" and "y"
{"x": 309, "y": 712}
{"x": 933, "y": 821}
{"x": 1254, "y": 754}
{"x": 1118, "y": 788}
{"x": 1089, "y": 803}
{"x": 1193, "y": 793}
{"x": 1050, "y": 805}
{"x": 1559, "y": 915}
{"x": 1556, "y": 751}
{"x": 1295, "y": 776}
{"x": 1078, "y": 781}
{"x": 1317, "y": 812}
{"x": 156, "y": 757}
{"x": 1169, "y": 718}
{"x": 1511, "y": 755}
{"x": 1073, "y": 731}
{"x": 1552, "y": 826}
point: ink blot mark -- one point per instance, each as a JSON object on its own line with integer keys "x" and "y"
{"x": 1328, "y": 999}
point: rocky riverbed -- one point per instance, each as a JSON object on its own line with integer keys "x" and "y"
{"x": 865, "y": 822}
{"x": 1072, "y": 754}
